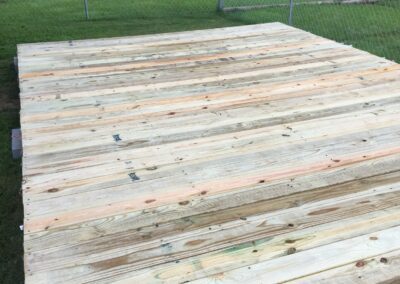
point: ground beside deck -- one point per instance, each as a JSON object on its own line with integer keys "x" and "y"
{"x": 253, "y": 154}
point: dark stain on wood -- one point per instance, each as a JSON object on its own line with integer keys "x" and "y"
{"x": 195, "y": 242}
{"x": 360, "y": 263}
{"x": 152, "y": 168}
{"x": 291, "y": 250}
{"x": 146, "y": 236}
{"x": 323, "y": 211}
{"x": 110, "y": 263}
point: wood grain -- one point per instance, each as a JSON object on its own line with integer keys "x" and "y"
{"x": 216, "y": 156}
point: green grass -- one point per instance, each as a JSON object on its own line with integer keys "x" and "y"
{"x": 375, "y": 28}
{"x": 10, "y": 205}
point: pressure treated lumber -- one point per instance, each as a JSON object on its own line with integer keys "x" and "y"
{"x": 252, "y": 154}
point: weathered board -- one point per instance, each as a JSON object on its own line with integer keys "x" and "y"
{"x": 252, "y": 154}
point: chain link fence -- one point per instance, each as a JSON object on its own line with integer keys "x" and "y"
{"x": 372, "y": 25}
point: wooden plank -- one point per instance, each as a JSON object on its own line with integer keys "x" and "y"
{"x": 225, "y": 146}
{"x": 342, "y": 252}
{"x": 223, "y": 155}
{"x": 382, "y": 268}
{"x": 235, "y": 233}
{"x": 157, "y": 39}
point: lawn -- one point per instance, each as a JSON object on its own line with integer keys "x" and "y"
{"x": 375, "y": 28}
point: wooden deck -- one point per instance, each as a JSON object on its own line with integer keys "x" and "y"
{"x": 253, "y": 154}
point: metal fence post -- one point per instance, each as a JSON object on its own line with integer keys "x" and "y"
{"x": 86, "y": 9}
{"x": 291, "y": 12}
{"x": 221, "y": 5}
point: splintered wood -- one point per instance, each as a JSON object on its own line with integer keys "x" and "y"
{"x": 253, "y": 154}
